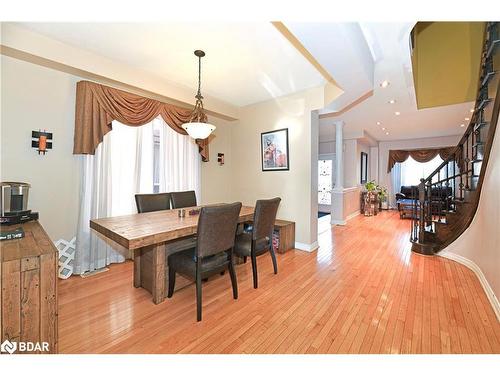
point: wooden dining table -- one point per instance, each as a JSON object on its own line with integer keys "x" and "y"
{"x": 153, "y": 236}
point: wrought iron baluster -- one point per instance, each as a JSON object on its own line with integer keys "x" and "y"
{"x": 421, "y": 199}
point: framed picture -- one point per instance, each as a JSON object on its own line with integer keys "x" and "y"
{"x": 364, "y": 167}
{"x": 274, "y": 150}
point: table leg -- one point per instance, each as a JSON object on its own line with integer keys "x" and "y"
{"x": 158, "y": 274}
{"x": 137, "y": 268}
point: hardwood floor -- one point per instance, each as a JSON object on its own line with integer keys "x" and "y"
{"x": 369, "y": 294}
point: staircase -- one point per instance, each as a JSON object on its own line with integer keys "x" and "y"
{"x": 439, "y": 220}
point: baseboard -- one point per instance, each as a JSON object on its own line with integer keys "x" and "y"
{"x": 305, "y": 247}
{"x": 344, "y": 222}
{"x": 482, "y": 279}
{"x": 354, "y": 214}
{"x": 338, "y": 222}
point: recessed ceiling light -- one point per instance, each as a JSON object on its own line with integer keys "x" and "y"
{"x": 384, "y": 84}
{"x": 397, "y": 113}
{"x": 383, "y": 128}
{"x": 392, "y": 101}
{"x": 467, "y": 119}
{"x": 462, "y": 125}
{"x": 378, "y": 122}
{"x": 387, "y": 133}
{"x": 471, "y": 110}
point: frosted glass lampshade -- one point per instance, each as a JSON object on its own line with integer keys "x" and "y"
{"x": 198, "y": 130}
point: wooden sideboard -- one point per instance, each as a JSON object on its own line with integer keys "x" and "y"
{"x": 28, "y": 277}
{"x": 286, "y": 233}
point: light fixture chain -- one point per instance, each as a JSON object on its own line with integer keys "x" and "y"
{"x": 199, "y": 78}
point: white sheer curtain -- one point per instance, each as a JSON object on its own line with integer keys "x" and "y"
{"x": 121, "y": 167}
{"x": 412, "y": 171}
{"x": 179, "y": 160}
{"x": 124, "y": 165}
{"x": 395, "y": 184}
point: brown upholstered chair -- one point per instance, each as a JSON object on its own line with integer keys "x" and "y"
{"x": 158, "y": 202}
{"x": 260, "y": 240}
{"x": 213, "y": 252}
{"x": 152, "y": 202}
{"x": 182, "y": 199}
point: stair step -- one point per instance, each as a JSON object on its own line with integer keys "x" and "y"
{"x": 478, "y": 151}
{"x": 480, "y": 125}
{"x": 424, "y": 248}
{"x": 493, "y": 45}
{"x": 460, "y": 201}
{"x": 483, "y": 104}
{"x": 476, "y": 167}
{"x": 487, "y": 78}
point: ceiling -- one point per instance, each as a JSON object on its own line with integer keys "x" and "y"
{"x": 389, "y": 43}
{"x": 253, "y": 62}
{"x": 245, "y": 63}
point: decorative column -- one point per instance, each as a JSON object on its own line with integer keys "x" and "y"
{"x": 339, "y": 156}
{"x": 337, "y": 213}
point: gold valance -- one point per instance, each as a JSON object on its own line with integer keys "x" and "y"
{"x": 420, "y": 155}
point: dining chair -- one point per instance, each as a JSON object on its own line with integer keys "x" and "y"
{"x": 213, "y": 252}
{"x": 260, "y": 239}
{"x": 152, "y": 202}
{"x": 182, "y": 199}
{"x": 158, "y": 202}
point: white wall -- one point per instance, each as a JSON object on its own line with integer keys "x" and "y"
{"x": 216, "y": 181}
{"x": 362, "y": 147}
{"x": 294, "y": 186}
{"x": 408, "y": 144}
{"x": 39, "y": 98}
{"x": 480, "y": 243}
{"x": 352, "y": 149}
{"x": 35, "y": 97}
{"x": 373, "y": 163}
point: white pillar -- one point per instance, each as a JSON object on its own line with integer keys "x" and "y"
{"x": 339, "y": 155}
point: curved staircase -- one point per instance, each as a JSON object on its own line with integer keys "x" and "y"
{"x": 438, "y": 222}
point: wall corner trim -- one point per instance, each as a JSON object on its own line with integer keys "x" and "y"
{"x": 482, "y": 279}
{"x": 307, "y": 247}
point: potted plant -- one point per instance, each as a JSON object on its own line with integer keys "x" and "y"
{"x": 370, "y": 198}
{"x": 382, "y": 197}
{"x": 375, "y": 193}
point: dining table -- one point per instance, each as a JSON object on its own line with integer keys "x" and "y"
{"x": 153, "y": 236}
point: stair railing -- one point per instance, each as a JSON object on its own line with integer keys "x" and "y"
{"x": 460, "y": 174}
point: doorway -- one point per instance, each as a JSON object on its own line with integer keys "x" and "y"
{"x": 326, "y": 183}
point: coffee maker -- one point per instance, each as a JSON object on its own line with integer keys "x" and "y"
{"x": 14, "y": 203}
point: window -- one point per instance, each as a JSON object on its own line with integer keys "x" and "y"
{"x": 156, "y": 159}
{"x": 412, "y": 171}
{"x": 151, "y": 158}
{"x": 325, "y": 170}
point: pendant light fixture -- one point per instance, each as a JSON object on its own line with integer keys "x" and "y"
{"x": 197, "y": 127}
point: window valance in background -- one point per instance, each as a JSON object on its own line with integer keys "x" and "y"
{"x": 98, "y": 105}
{"x": 420, "y": 155}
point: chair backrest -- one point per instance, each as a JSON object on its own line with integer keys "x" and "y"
{"x": 264, "y": 217}
{"x": 182, "y": 199}
{"x": 217, "y": 228}
{"x": 152, "y": 202}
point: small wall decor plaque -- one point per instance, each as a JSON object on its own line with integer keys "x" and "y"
{"x": 220, "y": 158}
{"x": 41, "y": 140}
